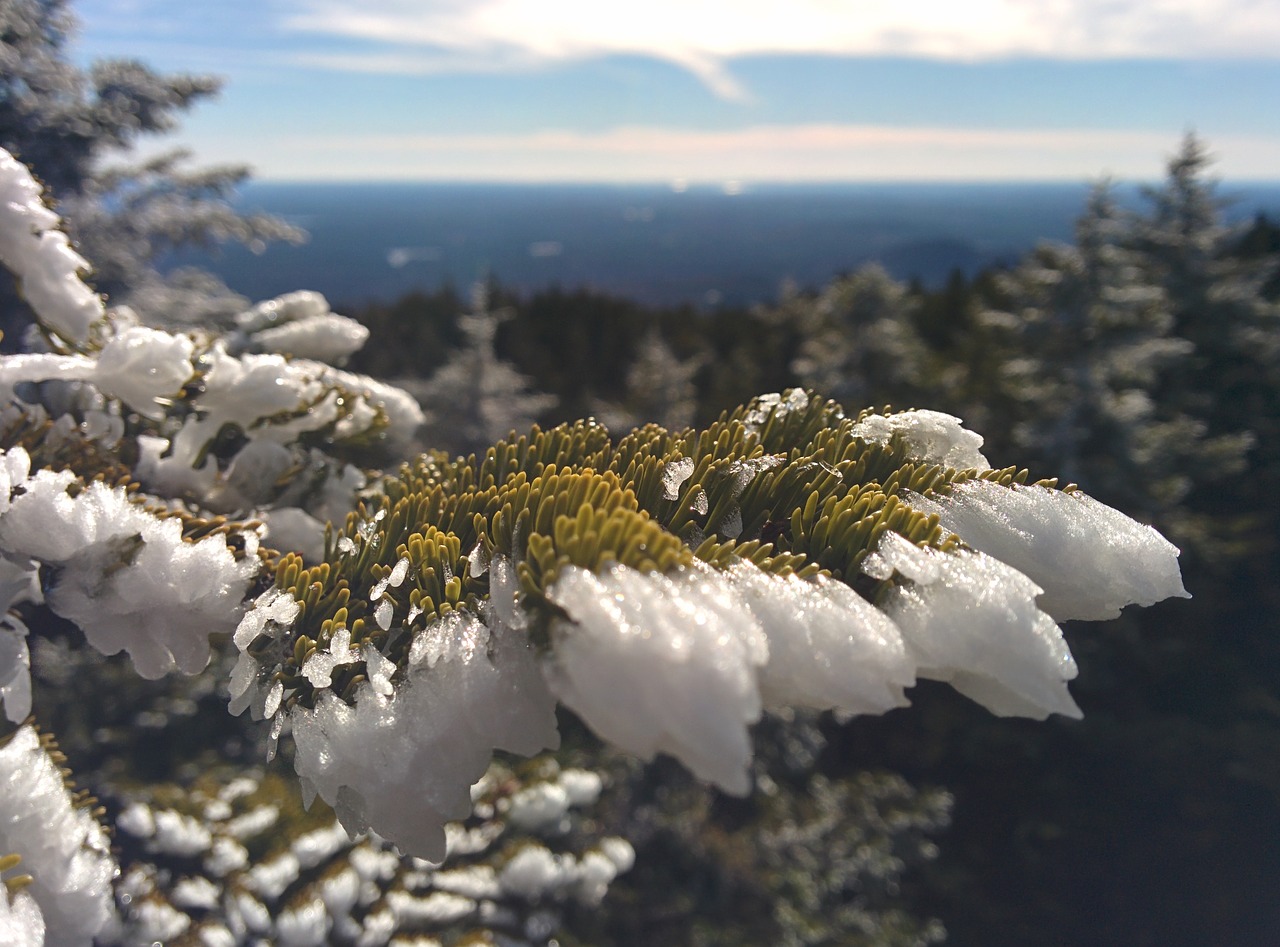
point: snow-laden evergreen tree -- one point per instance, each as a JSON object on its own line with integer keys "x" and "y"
{"x": 1229, "y": 382}
{"x": 660, "y": 389}
{"x": 476, "y": 397}
{"x": 858, "y": 339}
{"x": 1078, "y": 355}
{"x": 130, "y": 215}
{"x": 60, "y": 119}
{"x": 68, "y": 124}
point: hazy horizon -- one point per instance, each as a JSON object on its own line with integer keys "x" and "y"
{"x": 649, "y": 243}
{"x": 760, "y": 184}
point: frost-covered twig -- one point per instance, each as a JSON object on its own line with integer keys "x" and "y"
{"x": 62, "y": 848}
{"x": 40, "y": 256}
{"x": 255, "y": 435}
{"x": 668, "y": 587}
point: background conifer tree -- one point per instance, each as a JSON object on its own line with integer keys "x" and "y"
{"x": 476, "y": 398}
{"x": 858, "y": 339}
{"x": 660, "y": 389}
{"x": 1230, "y": 381}
{"x": 68, "y": 123}
{"x": 1078, "y": 348}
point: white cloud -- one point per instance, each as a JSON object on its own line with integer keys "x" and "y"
{"x": 702, "y": 35}
{"x": 817, "y": 152}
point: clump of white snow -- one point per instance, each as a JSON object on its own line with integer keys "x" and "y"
{"x": 282, "y": 310}
{"x": 156, "y": 922}
{"x": 40, "y": 256}
{"x": 303, "y": 925}
{"x": 581, "y": 786}
{"x": 972, "y": 621}
{"x": 540, "y": 807}
{"x": 660, "y": 663}
{"x": 21, "y": 923}
{"x": 301, "y": 324}
{"x": 63, "y": 848}
{"x": 144, "y": 368}
{"x": 472, "y": 690}
{"x": 535, "y": 873}
{"x": 293, "y": 529}
{"x": 126, "y": 576}
{"x": 243, "y": 390}
{"x": 1090, "y": 559}
{"x": 178, "y": 834}
{"x": 437, "y": 908}
{"x": 931, "y": 437}
{"x": 15, "y": 656}
{"x": 328, "y": 337}
{"x": 403, "y": 413}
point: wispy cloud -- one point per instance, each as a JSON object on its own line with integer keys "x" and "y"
{"x": 703, "y": 36}
{"x": 798, "y": 153}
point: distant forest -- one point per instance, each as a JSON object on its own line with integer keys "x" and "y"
{"x": 581, "y": 345}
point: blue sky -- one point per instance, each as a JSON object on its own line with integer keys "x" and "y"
{"x": 714, "y": 90}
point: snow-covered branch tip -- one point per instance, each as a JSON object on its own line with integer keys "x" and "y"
{"x": 59, "y": 889}
{"x": 121, "y": 448}
{"x": 49, "y": 272}
{"x": 669, "y": 587}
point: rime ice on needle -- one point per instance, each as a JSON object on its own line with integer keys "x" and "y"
{"x": 972, "y": 621}
{"x": 829, "y": 648}
{"x": 1090, "y": 559}
{"x": 930, "y": 436}
{"x": 683, "y": 663}
{"x": 660, "y": 663}
{"x": 125, "y": 576}
{"x": 471, "y": 690}
{"x": 63, "y": 848}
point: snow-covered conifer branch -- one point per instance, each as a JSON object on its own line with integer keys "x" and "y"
{"x": 61, "y": 847}
{"x": 518, "y": 855}
{"x": 126, "y": 550}
{"x": 668, "y": 587}
{"x": 40, "y": 256}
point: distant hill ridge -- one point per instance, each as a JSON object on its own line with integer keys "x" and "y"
{"x": 651, "y": 244}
